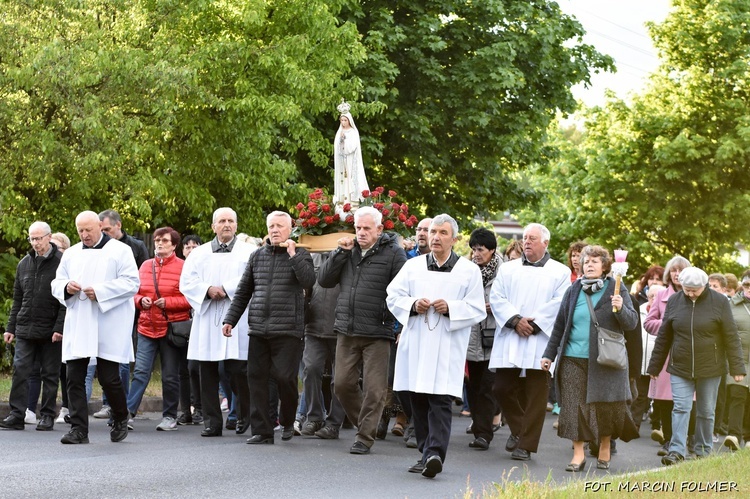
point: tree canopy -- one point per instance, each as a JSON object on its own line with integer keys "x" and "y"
{"x": 667, "y": 172}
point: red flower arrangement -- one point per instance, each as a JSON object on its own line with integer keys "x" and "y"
{"x": 396, "y": 217}
{"x": 318, "y": 215}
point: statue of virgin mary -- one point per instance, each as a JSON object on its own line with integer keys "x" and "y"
{"x": 349, "y": 173}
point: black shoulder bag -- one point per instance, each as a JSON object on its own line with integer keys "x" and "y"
{"x": 178, "y": 333}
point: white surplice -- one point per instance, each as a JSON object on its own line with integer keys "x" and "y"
{"x": 101, "y": 328}
{"x": 530, "y": 292}
{"x": 204, "y": 268}
{"x": 432, "y": 348}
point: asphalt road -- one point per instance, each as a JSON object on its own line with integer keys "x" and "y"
{"x": 183, "y": 464}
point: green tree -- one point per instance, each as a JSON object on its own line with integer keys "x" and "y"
{"x": 468, "y": 89}
{"x": 668, "y": 172}
{"x": 163, "y": 110}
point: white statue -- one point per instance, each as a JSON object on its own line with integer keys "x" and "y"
{"x": 349, "y": 173}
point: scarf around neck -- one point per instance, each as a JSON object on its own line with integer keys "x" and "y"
{"x": 489, "y": 270}
{"x": 591, "y": 286}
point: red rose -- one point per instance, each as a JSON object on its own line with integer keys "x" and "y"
{"x": 365, "y": 194}
{"x": 326, "y": 208}
{"x": 386, "y": 213}
{"x": 378, "y": 206}
{"x": 404, "y": 208}
{"x": 380, "y": 190}
{"x": 314, "y": 221}
{"x": 396, "y": 207}
{"x": 305, "y": 223}
{"x": 347, "y": 207}
{"x": 392, "y": 194}
{"x": 388, "y": 225}
{"x": 409, "y": 224}
{"x": 336, "y": 217}
{"x": 413, "y": 219}
{"x": 303, "y": 214}
{"x": 300, "y": 206}
{"x": 402, "y": 217}
{"x": 312, "y": 206}
{"x": 349, "y": 219}
{"x": 328, "y": 220}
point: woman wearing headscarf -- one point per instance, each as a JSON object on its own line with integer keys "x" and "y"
{"x": 593, "y": 398}
{"x": 349, "y": 172}
{"x": 699, "y": 334}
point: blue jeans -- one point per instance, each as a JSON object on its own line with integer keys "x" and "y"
{"x": 706, "y": 390}
{"x": 144, "y": 364}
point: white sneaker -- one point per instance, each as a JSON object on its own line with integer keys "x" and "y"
{"x": 167, "y": 424}
{"x": 224, "y": 405}
{"x": 731, "y": 442}
{"x": 30, "y": 417}
{"x": 61, "y": 417}
{"x": 104, "y": 413}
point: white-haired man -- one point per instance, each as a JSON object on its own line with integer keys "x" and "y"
{"x": 525, "y": 298}
{"x": 209, "y": 281}
{"x": 275, "y": 279}
{"x": 36, "y": 322}
{"x": 363, "y": 267}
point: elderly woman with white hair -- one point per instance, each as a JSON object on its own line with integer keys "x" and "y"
{"x": 699, "y": 333}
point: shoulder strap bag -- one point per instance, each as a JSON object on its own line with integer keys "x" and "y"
{"x": 612, "y": 351}
{"x": 178, "y": 333}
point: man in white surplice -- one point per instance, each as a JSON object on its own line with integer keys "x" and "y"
{"x": 209, "y": 280}
{"x": 525, "y": 298}
{"x": 96, "y": 281}
{"x": 438, "y": 297}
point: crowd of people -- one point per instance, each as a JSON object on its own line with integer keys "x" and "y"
{"x": 376, "y": 330}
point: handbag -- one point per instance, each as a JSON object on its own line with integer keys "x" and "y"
{"x": 178, "y": 332}
{"x": 612, "y": 351}
{"x": 488, "y": 337}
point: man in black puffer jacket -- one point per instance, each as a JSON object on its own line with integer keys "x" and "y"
{"x": 36, "y": 322}
{"x": 273, "y": 284}
{"x": 363, "y": 322}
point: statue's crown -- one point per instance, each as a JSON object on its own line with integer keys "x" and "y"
{"x": 344, "y": 107}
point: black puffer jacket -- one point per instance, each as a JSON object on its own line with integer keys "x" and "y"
{"x": 273, "y": 285}
{"x": 35, "y": 313}
{"x": 361, "y": 308}
{"x": 700, "y": 337}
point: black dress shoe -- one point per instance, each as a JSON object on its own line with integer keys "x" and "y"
{"x": 46, "y": 423}
{"x": 231, "y": 424}
{"x": 260, "y": 439}
{"x": 12, "y": 423}
{"x": 432, "y": 466}
{"x": 242, "y": 426}
{"x": 287, "y": 433}
{"x": 211, "y": 432}
{"x": 512, "y": 443}
{"x": 480, "y": 443}
{"x": 75, "y": 437}
{"x": 521, "y": 455}
{"x": 119, "y": 430}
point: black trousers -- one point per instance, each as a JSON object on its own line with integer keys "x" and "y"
{"x": 524, "y": 403}
{"x": 43, "y": 353}
{"x": 481, "y": 399}
{"x": 109, "y": 379}
{"x": 639, "y": 407}
{"x": 190, "y": 383}
{"x": 277, "y": 358}
{"x": 209, "y": 374}
{"x": 432, "y": 416}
